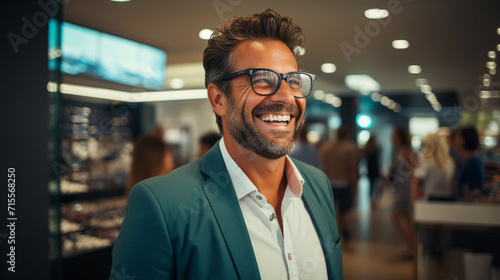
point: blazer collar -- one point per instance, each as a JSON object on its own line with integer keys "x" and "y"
{"x": 220, "y": 194}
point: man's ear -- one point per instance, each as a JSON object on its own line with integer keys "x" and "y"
{"x": 217, "y": 99}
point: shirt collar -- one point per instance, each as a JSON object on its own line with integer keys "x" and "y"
{"x": 242, "y": 184}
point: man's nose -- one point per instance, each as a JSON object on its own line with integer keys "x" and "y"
{"x": 284, "y": 94}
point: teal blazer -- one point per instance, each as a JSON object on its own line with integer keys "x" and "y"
{"x": 188, "y": 225}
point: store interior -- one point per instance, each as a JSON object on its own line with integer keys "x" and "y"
{"x": 121, "y": 69}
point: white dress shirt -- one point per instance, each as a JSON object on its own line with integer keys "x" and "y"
{"x": 294, "y": 254}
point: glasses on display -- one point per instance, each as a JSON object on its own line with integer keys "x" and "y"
{"x": 267, "y": 82}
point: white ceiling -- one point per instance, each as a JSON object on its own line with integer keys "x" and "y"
{"x": 448, "y": 39}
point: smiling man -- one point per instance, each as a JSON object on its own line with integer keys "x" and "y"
{"x": 245, "y": 210}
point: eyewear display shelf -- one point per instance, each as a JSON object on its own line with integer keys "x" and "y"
{"x": 95, "y": 154}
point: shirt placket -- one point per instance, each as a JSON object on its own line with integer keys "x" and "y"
{"x": 291, "y": 261}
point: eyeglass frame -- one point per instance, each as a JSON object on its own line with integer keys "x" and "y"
{"x": 286, "y": 76}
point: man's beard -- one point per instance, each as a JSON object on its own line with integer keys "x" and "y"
{"x": 248, "y": 135}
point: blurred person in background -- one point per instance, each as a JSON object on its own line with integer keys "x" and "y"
{"x": 303, "y": 151}
{"x": 151, "y": 157}
{"x": 433, "y": 176}
{"x": 339, "y": 158}
{"x": 470, "y": 178}
{"x": 207, "y": 141}
{"x": 400, "y": 178}
{"x": 455, "y": 155}
{"x": 372, "y": 156}
{"x": 158, "y": 131}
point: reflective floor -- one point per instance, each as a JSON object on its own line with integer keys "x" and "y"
{"x": 377, "y": 246}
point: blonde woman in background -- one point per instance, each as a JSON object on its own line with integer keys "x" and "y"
{"x": 151, "y": 157}
{"x": 433, "y": 176}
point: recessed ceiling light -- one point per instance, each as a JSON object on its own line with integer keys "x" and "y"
{"x": 205, "y": 34}
{"x": 319, "y": 94}
{"x": 384, "y": 100}
{"x": 421, "y": 81}
{"x": 300, "y": 50}
{"x": 498, "y": 31}
{"x": 498, "y": 47}
{"x": 328, "y": 68}
{"x": 400, "y": 44}
{"x": 414, "y": 69}
{"x": 376, "y": 96}
{"x": 493, "y": 71}
{"x": 491, "y": 65}
{"x": 376, "y": 13}
{"x": 426, "y": 88}
{"x": 492, "y": 54}
{"x": 120, "y": 0}
{"x": 177, "y": 83}
{"x": 362, "y": 83}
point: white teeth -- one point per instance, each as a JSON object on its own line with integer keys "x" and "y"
{"x": 276, "y": 118}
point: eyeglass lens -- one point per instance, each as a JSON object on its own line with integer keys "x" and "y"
{"x": 266, "y": 82}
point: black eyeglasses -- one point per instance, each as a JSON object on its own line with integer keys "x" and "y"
{"x": 267, "y": 82}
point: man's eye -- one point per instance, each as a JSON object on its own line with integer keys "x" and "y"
{"x": 294, "y": 83}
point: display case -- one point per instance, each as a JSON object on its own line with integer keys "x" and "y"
{"x": 88, "y": 203}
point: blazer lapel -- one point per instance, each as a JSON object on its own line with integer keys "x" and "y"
{"x": 224, "y": 204}
{"x": 328, "y": 237}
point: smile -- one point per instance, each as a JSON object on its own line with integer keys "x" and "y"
{"x": 275, "y": 118}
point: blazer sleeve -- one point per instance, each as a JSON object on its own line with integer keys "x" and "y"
{"x": 143, "y": 249}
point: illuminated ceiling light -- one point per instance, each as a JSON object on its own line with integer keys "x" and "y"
{"x": 319, "y": 94}
{"x": 384, "y": 100}
{"x": 120, "y": 0}
{"x": 414, "y": 69}
{"x": 486, "y": 94}
{"x": 362, "y": 83}
{"x": 425, "y": 88}
{"x": 376, "y": 96}
{"x": 491, "y": 65}
{"x": 51, "y": 86}
{"x": 376, "y": 13}
{"x": 492, "y": 54}
{"x": 363, "y": 137}
{"x": 300, "y": 50}
{"x": 205, "y": 34}
{"x": 498, "y": 47}
{"x": 498, "y": 31}
{"x": 487, "y": 79}
{"x": 329, "y": 97}
{"x": 420, "y": 82}
{"x": 364, "y": 121}
{"x": 437, "y": 107}
{"x": 177, "y": 83}
{"x": 397, "y": 108}
{"x": 336, "y": 102}
{"x": 392, "y": 104}
{"x": 151, "y": 96}
{"x": 328, "y": 68}
{"x": 493, "y": 71}
{"x": 400, "y": 44}
{"x": 313, "y": 136}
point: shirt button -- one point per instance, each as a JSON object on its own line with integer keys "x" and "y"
{"x": 272, "y": 217}
{"x": 259, "y": 197}
{"x": 289, "y": 256}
